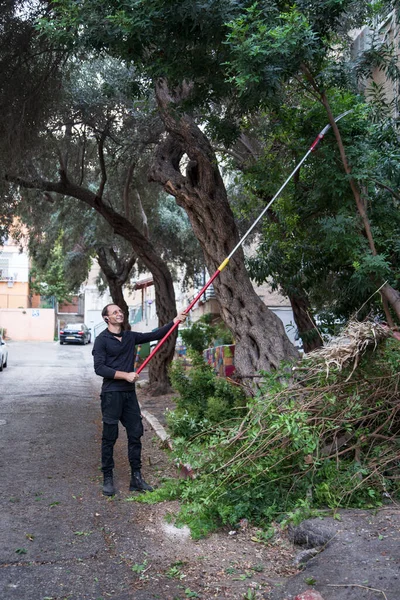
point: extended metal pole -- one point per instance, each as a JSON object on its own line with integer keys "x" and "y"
{"x": 226, "y": 261}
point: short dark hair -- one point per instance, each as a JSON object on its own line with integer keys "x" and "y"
{"x": 104, "y": 312}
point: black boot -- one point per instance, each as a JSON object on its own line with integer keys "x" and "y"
{"x": 108, "y": 486}
{"x": 138, "y": 484}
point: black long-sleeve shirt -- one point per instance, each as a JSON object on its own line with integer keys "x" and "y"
{"x": 111, "y": 355}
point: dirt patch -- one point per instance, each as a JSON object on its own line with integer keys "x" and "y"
{"x": 220, "y": 566}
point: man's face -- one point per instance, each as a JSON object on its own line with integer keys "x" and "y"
{"x": 115, "y": 315}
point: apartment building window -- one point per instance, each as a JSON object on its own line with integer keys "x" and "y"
{"x": 4, "y": 264}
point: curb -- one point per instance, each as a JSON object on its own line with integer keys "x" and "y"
{"x": 185, "y": 470}
{"x": 156, "y": 426}
{"x": 152, "y": 420}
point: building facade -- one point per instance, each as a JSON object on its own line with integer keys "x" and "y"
{"x": 386, "y": 31}
{"x": 14, "y": 276}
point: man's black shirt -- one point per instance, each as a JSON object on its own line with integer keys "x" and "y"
{"x": 111, "y": 355}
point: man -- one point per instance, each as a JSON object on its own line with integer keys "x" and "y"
{"x": 114, "y": 355}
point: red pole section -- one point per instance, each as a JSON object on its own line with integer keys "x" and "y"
{"x": 316, "y": 142}
{"x": 176, "y": 325}
{"x": 156, "y": 349}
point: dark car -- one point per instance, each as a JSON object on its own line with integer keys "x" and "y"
{"x": 3, "y": 354}
{"x": 75, "y": 332}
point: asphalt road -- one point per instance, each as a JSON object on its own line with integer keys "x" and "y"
{"x": 60, "y": 538}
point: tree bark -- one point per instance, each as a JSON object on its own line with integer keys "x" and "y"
{"x": 306, "y": 325}
{"x": 164, "y": 290}
{"x": 118, "y": 298}
{"x": 116, "y": 281}
{"x": 260, "y": 337}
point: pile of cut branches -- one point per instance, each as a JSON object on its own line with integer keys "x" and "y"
{"x": 350, "y": 345}
{"x": 336, "y": 427}
{"x": 325, "y": 434}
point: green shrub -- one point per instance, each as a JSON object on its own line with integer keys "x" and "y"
{"x": 182, "y": 425}
{"x": 204, "y": 398}
{"x": 203, "y": 334}
{"x": 320, "y": 441}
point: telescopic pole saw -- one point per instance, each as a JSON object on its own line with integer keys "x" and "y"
{"x": 222, "y": 266}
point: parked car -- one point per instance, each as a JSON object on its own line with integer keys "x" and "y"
{"x": 3, "y": 354}
{"x": 75, "y": 332}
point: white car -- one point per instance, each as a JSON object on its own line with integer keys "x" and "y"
{"x": 3, "y": 354}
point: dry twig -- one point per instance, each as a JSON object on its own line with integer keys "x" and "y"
{"x": 364, "y": 587}
{"x": 350, "y": 345}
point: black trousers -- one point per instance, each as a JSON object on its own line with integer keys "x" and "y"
{"x": 124, "y": 407}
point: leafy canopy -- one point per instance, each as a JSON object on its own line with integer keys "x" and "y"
{"x": 51, "y": 280}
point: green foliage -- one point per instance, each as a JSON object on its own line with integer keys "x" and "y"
{"x": 314, "y": 244}
{"x": 52, "y": 280}
{"x": 173, "y": 235}
{"x": 196, "y": 41}
{"x": 178, "y": 41}
{"x": 302, "y": 445}
{"x": 139, "y": 567}
{"x": 183, "y": 425}
{"x": 314, "y": 240}
{"x": 204, "y": 398}
{"x": 170, "y": 490}
{"x": 203, "y": 334}
{"x": 270, "y": 44}
{"x": 26, "y": 58}
{"x": 199, "y": 335}
{"x": 267, "y": 46}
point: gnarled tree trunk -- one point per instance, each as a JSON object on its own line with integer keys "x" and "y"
{"x": 261, "y": 341}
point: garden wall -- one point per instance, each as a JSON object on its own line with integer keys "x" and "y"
{"x": 28, "y": 324}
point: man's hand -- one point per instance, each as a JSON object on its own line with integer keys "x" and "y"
{"x": 181, "y": 317}
{"x": 132, "y": 377}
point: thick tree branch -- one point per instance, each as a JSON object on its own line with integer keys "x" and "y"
{"x": 63, "y": 166}
{"x": 146, "y": 232}
{"x": 128, "y": 181}
{"x": 102, "y": 162}
{"x": 83, "y": 156}
{"x": 68, "y": 136}
{"x": 117, "y": 260}
{"x": 165, "y": 296}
